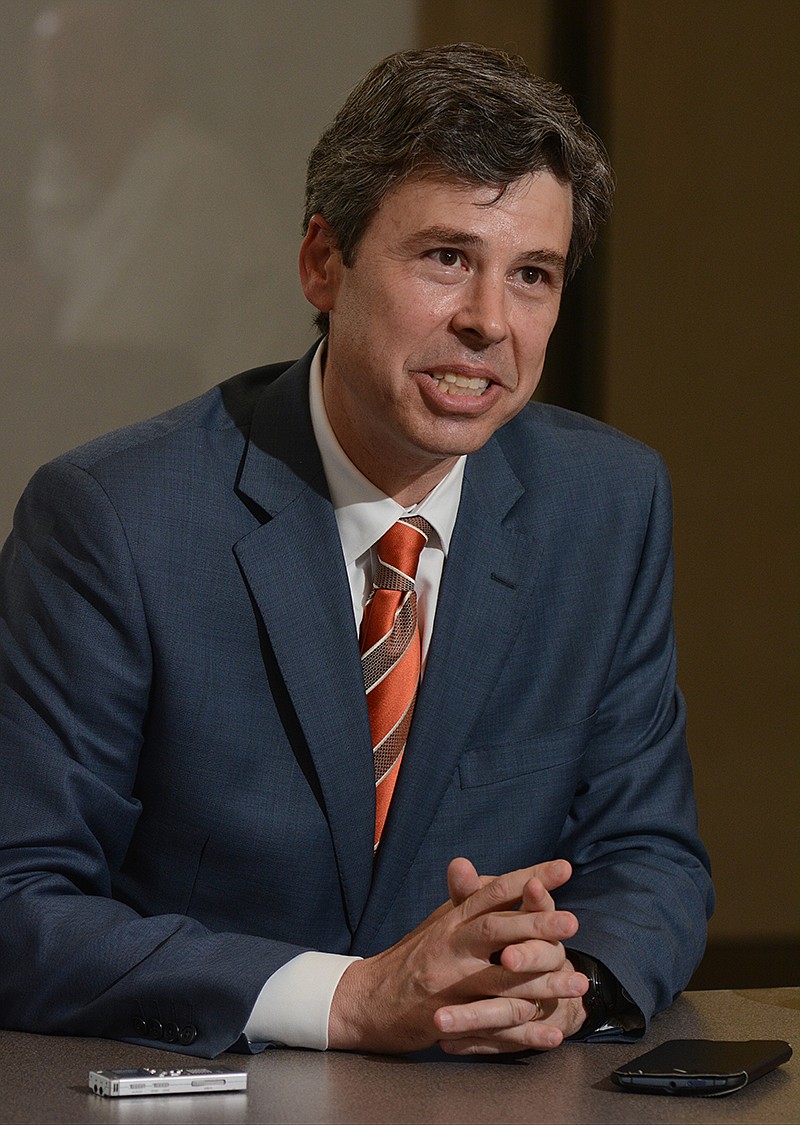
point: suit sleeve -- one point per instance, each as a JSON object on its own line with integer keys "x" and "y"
{"x": 75, "y": 681}
{"x": 641, "y": 888}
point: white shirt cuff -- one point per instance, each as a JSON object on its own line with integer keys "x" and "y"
{"x": 294, "y": 1005}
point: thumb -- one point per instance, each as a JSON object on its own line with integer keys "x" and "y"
{"x": 462, "y": 880}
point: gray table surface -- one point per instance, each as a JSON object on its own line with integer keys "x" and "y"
{"x": 44, "y": 1079}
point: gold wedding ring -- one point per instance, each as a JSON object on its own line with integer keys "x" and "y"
{"x": 538, "y": 1012}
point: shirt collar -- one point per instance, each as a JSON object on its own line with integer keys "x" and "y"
{"x": 363, "y": 512}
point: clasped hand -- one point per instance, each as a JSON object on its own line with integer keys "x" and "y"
{"x": 485, "y": 973}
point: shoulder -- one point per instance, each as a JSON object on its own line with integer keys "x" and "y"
{"x": 546, "y": 443}
{"x": 187, "y": 454}
{"x": 214, "y": 418}
{"x": 576, "y": 469}
{"x": 573, "y": 436}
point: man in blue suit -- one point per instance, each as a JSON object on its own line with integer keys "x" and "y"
{"x": 189, "y": 793}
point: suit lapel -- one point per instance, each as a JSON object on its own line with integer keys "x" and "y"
{"x": 295, "y": 572}
{"x": 294, "y": 569}
{"x": 489, "y": 574}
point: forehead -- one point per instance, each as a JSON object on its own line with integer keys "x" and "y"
{"x": 535, "y": 206}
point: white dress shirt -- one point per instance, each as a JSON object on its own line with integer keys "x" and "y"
{"x": 294, "y": 1005}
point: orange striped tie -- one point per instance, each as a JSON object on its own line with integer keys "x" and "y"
{"x": 390, "y": 652}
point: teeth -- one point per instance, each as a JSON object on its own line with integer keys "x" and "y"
{"x": 454, "y": 384}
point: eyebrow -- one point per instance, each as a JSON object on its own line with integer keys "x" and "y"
{"x": 452, "y": 236}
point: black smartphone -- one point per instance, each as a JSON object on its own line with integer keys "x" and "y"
{"x": 705, "y": 1067}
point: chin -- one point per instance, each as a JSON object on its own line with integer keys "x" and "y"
{"x": 464, "y": 438}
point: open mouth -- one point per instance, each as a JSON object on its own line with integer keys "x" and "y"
{"x": 450, "y": 383}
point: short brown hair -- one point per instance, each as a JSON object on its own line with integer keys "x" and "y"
{"x": 465, "y": 112}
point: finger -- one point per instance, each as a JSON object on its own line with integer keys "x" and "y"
{"x": 488, "y": 933}
{"x": 549, "y": 987}
{"x": 545, "y": 987}
{"x": 554, "y": 873}
{"x": 462, "y": 880}
{"x": 495, "y": 1025}
{"x": 506, "y": 891}
{"x": 491, "y": 1015}
{"x": 501, "y": 893}
{"x": 536, "y": 897}
{"x": 524, "y": 956}
{"x": 535, "y": 956}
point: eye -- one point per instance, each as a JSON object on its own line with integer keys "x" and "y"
{"x": 446, "y": 256}
{"x": 531, "y": 275}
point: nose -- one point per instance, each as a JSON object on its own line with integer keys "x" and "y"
{"x": 481, "y": 316}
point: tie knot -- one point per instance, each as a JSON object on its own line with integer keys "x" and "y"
{"x": 398, "y": 552}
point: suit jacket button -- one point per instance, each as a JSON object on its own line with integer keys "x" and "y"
{"x": 139, "y": 1025}
{"x": 170, "y": 1032}
{"x": 155, "y": 1029}
{"x": 187, "y": 1034}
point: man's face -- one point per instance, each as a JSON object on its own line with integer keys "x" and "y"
{"x": 439, "y": 328}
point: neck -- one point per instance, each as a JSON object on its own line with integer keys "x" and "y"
{"x": 412, "y": 492}
{"x": 406, "y": 484}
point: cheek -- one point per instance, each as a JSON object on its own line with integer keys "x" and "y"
{"x": 530, "y": 348}
{"x": 419, "y": 305}
{"x": 532, "y": 335}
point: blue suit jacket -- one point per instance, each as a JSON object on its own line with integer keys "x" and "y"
{"x": 188, "y": 795}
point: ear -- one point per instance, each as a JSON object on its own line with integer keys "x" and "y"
{"x": 320, "y": 265}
